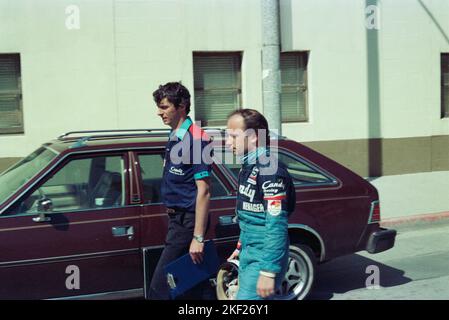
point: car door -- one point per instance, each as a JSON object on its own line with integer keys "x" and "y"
{"x": 149, "y": 166}
{"x": 86, "y": 240}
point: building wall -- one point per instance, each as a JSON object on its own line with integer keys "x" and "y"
{"x": 67, "y": 75}
{"x": 374, "y": 95}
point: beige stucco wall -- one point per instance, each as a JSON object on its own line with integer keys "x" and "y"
{"x": 102, "y": 75}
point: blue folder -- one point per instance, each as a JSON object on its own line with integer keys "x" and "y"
{"x": 183, "y": 274}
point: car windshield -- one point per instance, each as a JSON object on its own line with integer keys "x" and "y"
{"x": 15, "y": 177}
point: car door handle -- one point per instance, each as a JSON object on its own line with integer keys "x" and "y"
{"x": 123, "y": 231}
{"x": 225, "y": 221}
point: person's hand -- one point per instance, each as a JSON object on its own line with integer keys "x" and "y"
{"x": 265, "y": 286}
{"x": 234, "y": 255}
{"x": 196, "y": 251}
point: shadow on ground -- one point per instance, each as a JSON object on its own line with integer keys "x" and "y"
{"x": 349, "y": 273}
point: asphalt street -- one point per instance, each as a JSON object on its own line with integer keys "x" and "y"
{"x": 417, "y": 267}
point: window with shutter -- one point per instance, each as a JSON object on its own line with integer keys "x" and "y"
{"x": 217, "y": 82}
{"x": 445, "y": 85}
{"x": 11, "y": 117}
{"x": 293, "y": 67}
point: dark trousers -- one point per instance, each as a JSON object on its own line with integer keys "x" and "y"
{"x": 177, "y": 243}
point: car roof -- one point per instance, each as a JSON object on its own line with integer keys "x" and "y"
{"x": 114, "y": 139}
{"x": 123, "y": 138}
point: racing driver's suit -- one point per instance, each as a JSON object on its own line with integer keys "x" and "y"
{"x": 265, "y": 199}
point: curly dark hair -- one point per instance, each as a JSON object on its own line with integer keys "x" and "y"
{"x": 175, "y": 93}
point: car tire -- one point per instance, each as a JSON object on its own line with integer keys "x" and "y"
{"x": 300, "y": 275}
{"x": 301, "y": 267}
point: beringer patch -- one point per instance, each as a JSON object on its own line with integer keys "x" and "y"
{"x": 274, "y": 207}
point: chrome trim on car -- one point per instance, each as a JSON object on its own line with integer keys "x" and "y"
{"x": 51, "y": 149}
{"x": 124, "y": 294}
{"x": 31, "y": 214}
{"x": 161, "y": 204}
{"x": 70, "y": 223}
{"x": 63, "y": 258}
{"x": 335, "y": 181}
{"x": 154, "y": 247}
{"x": 315, "y": 233}
{"x": 225, "y": 239}
{"x": 332, "y": 199}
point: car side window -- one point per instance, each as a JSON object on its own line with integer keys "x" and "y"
{"x": 151, "y": 169}
{"x": 303, "y": 173}
{"x": 81, "y": 184}
{"x": 217, "y": 187}
{"x": 227, "y": 158}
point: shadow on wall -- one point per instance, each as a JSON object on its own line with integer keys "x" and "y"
{"x": 373, "y": 89}
{"x": 375, "y": 165}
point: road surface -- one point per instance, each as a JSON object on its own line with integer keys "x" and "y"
{"x": 417, "y": 267}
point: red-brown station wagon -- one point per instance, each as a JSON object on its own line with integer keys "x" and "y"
{"x": 82, "y": 218}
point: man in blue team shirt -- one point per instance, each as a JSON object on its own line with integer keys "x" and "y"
{"x": 185, "y": 183}
{"x": 265, "y": 199}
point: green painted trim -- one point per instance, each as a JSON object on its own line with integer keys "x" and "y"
{"x": 181, "y": 132}
{"x": 388, "y": 156}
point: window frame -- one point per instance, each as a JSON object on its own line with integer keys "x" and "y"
{"x": 18, "y": 94}
{"x": 296, "y": 87}
{"x": 215, "y": 171}
{"x": 236, "y": 54}
{"x": 334, "y": 181}
{"x": 139, "y": 177}
{"x": 60, "y": 165}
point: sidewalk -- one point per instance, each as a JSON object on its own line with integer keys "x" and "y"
{"x": 413, "y": 198}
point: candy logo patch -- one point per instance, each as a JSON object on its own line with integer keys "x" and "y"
{"x": 247, "y": 191}
{"x": 274, "y": 207}
{"x": 176, "y": 171}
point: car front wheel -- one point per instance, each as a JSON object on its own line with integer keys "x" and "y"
{"x": 300, "y": 275}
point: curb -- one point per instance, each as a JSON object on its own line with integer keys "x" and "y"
{"x": 410, "y": 220}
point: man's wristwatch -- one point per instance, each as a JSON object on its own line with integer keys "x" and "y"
{"x": 198, "y": 238}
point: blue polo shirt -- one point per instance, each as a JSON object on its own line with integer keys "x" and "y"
{"x": 187, "y": 156}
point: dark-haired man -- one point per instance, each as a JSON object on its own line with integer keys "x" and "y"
{"x": 265, "y": 199}
{"x": 185, "y": 186}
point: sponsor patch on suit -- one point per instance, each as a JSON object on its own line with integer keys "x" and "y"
{"x": 274, "y": 207}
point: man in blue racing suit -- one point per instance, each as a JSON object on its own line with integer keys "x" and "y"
{"x": 266, "y": 197}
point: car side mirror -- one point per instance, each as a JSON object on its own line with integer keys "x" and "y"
{"x": 44, "y": 206}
